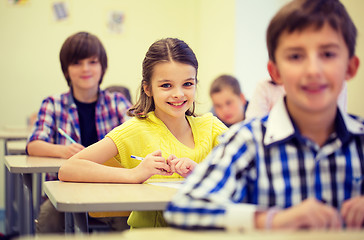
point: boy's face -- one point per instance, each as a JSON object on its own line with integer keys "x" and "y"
{"x": 85, "y": 74}
{"x": 312, "y": 64}
{"x": 228, "y": 106}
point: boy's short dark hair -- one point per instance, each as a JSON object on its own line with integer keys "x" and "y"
{"x": 80, "y": 46}
{"x": 300, "y": 14}
{"x": 223, "y": 82}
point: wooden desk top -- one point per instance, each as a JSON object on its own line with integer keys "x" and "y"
{"x": 100, "y": 197}
{"x": 177, "y": 234}
{"x": 30, "y": 164}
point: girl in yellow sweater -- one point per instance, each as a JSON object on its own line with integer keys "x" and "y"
{"x": 164, "y": 129}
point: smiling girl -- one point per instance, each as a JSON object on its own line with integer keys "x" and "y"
{"x": 164, "y": 129}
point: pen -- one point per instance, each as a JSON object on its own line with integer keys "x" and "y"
{"x": 66, "y": 136}
{"x": 137, "y": 158}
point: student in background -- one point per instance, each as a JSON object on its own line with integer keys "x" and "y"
{"x": 268, "y": 92}
{"x": 124, "y": 90}
{"x": 229, "y": 103}
{"x": 265, "y": 95}
{"x": 303, "y": 166}
{"x": 85, "y": 112}
{"x": 163, "y": 130}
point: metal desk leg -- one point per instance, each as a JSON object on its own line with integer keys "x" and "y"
{"x": 81, "y": 222}
{"x": 68, "y": 222}
{"x": 76, "y": 222}
{"x": 28, "y": 227}
{"x": 11, "y": 211}
{"x": 38, "y": 193}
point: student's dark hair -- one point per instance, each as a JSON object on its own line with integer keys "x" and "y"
{"x": 223, "y": 82}
{"x": 300, "y": 14}
{"x": 161, "y": 51}
{"x": 79, "y": 46}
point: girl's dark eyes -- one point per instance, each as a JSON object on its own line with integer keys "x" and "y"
{"x": 188, "y": 84}
{"x": 166, "y": 85}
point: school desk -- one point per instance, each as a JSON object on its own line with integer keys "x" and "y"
{"x": 7, "y": 137}
{"x": 76, "y": 199}
{"x": 16, "y": 147}
{"x": 177, "y": 234}
{"x": 25, "y": 167}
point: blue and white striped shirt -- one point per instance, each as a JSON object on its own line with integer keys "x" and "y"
{"x": 267, "y": 162}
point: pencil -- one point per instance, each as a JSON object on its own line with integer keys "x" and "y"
{"x": 137, "y": 158}
{"x": 66, "y": 135}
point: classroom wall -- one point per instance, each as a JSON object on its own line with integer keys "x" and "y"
{"x": 251, "y": 52}
{"x": 31, "y": 39}
{"x": 356, "y": 85}
{"x": 227, "y": 37}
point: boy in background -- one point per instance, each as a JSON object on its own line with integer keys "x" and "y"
{"x": 229, "y": 103}
{"x": 303, "y": 165}
{"x": 86, "y": 113}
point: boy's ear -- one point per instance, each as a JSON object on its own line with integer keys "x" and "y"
{"x": 242, "y": 98}
{"x": 146, "y": 90}
{"x": 274, "y": 72}
{"x": 353, "y": 66}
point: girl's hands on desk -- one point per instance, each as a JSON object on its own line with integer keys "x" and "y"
{"x": 70, "y": 150}
{"x": 182, "y": 166}
{"x": 353, "y": 212}
{"x": 153, "y": 164}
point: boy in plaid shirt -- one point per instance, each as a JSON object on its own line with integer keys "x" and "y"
{"x": 85, "y": 112}
{"x": 302, "y": 166}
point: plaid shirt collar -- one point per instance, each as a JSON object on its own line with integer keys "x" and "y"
{"x": 68, "y": 99}
{"x": 280, "y": 126}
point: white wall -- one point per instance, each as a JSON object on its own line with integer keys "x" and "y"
{"x": 251, "y": 55}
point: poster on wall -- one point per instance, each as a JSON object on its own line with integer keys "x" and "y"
{"x": 60, "y": 11}
{"x": 115, "y": 22}
{"x": 18, "y": 2}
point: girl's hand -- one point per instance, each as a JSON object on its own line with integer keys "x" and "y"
{"x": 311, "y": 214}
{"x": 153, "y": 164}
{"x": 70, "y": 150}
{"x": 352, "y": 212}
{"x": 182, "y": 166}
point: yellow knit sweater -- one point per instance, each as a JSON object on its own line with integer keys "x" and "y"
{"x": 141, "y": 137}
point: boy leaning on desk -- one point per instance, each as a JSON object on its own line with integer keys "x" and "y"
{"x": 71, "y": 121}
{"x": 302, "y": 166}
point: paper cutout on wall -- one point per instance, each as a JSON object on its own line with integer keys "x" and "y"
{"x": 60, "y": 11}
{"x": 115, "y": 22}
{"x": 18, "y": 2}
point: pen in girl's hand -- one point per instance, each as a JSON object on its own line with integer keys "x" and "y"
{"x": 66, "y": 135}
{"x": 137, "y": 158}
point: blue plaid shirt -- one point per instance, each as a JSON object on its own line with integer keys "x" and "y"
{"x": 60, "y": 111}
{"x": 267, "y": 162}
